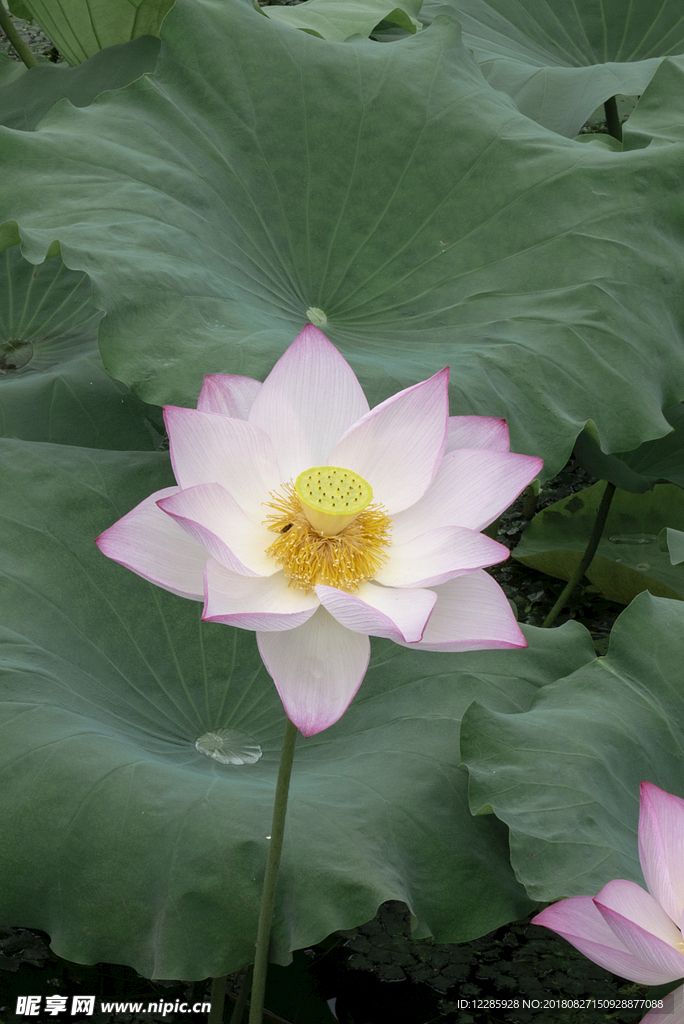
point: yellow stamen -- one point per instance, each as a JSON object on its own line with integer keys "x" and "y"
{"x": 308, "y": 557}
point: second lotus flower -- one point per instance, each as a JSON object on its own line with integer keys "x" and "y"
{"x": 631, "y": 932}
{"x": 304, "y": 515}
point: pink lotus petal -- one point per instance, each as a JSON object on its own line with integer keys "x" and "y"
{"x": 228, "y": 395}
{"x": 310, "y": 397}
{"x": 471, "y": 614}
{"x": 580, "y": 922}
{"x": 207, "y": 448}
{"x": 380, "y": 611}
{"x": 438, "y": 556}
{"x": 643, "y": 928}
{"x": 317, "y": 669}
{"x": 471, "y": 488}
{"x": 674, "y": 999}
{"x": 156, "y": 548}
{"x": 477, "y": 432}
{"x": 399, "y": 444}
{"x": 254, "y": 602}
{"x": 213, "y": 517}
{"x": 661, "y": 847}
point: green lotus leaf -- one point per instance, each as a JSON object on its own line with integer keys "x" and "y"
{"x": 654, "y": 120}
{"x": 20, "y": 10}
{"x": 132, "y": 839}
{"x": 651, "y": 463}
{"x": 337, "y": 20}
{"x": 599, "y": 139}
{"x": 564, "y": 776}
{"x": 10, "y": 69}
{"x": 628, "y": 559}
{"x": 559, "y": 62}
{"x": 27, "y": 95}
{"x": 53, "y": 386}
{"x": 214, "y": 213}
{"x": 79, "y": 28}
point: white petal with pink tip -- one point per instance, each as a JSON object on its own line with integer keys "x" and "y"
{"x": 228, "y": 395}
{"x": 380, "y": 611}
{"x": 254, "y": 602}
{"x": 661, "y": 848}
{"x": 438, "y": 556}
{"x": 471, "y": 488}
{"x": 310, "y": 397}
{"x": 151, "y": 544}
{"x": 397, "y": 446}
{"x": 207, "y": 448}
{"x": 212, "y": 516}
{"x": 471, "y": 614}
{"x": 477, "y": 432}
{"x": 317, "y": 669}
{"x": 579, "y": 921}
{"x": 642, "y": 926}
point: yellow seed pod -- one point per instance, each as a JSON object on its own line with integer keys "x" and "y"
{"x": 332, "y": 497}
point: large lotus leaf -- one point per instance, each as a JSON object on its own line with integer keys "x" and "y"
{"x": 385, "y": 192}
{"x": 10, "y": 69}
{"x": 659, "y": 111}
{"x": 27, "y": 95}
{"x": 138, "y": 848}
{"x": 79, "y": 28}
{"x": 53, "y": 386}
{"x": 628, "y": 559}
{"x": 565, "y": 775}
{"x": 559, "y": 61}
{"x": 651, "y": 463}
{"x": 337, "y": 20}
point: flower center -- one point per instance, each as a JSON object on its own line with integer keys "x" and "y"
{"x": 332, "y": 497}
{"x": 328, "y": 532}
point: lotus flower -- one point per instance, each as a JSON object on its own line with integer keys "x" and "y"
{"x": 304, "y": 515}
{"x": 631, "y": 932}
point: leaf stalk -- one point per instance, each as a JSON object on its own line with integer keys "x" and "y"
{"x": 19, "y": 46}
{"x": 586, "y": 559}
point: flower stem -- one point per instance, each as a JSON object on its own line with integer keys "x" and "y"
{"x": 613, "y": 118}
{"x": 15, "y": 39}
{"x": 529, "y": 502}
{"x": 236, "y": 1016}
{"x": 217, "y": 999}
{"x": 587, "y": 557}
{"x": 256, "y": 1008}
